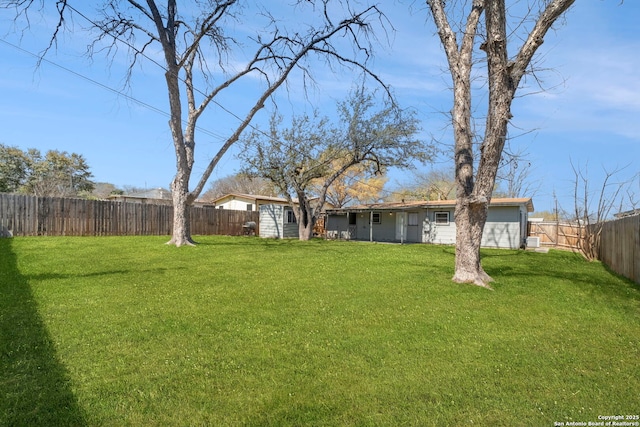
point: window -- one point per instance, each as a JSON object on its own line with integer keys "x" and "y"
{"x": 442, "y": 218}
{"x": 376, "y": 218}
{"x": 412, "y": 218}
{"x": 249, "y": 206}
{"x": 352, "y": 218}
{"x": 290, "y": 216}
{"x": 220, "y": 207}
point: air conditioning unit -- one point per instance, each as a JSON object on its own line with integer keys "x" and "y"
{"x": 533, "y": 242}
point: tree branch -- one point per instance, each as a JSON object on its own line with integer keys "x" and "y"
{"x": 536, "y": 37}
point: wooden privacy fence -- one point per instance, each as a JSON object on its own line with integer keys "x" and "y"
{"x": 22, "y": 215}
{"x": 619, "y": 246}
{"x": 555, "y": 234}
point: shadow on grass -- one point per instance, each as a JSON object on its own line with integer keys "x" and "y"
{"x": 34, "y": 385}
{"x": 57, "y": 276}
{"x": 538, "y": 268}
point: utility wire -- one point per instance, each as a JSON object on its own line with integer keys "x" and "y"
{"x": 142, "y": 103}
{"x": 201, "y": 92}
{"x": 103, "y": 86}
{"x": 160, "y": 65}
{"x": 147, "y": 105}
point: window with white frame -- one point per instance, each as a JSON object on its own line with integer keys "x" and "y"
{"x": 442, "y": 218}
{"x": 250, "y": 206}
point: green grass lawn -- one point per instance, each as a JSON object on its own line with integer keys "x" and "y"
{"x": 246, "y": 331}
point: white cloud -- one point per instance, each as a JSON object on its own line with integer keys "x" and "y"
{"x": 601, "y": 92}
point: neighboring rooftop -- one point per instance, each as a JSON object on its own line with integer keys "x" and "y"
{"x": 625, "y": 214}
{"x": 251, "y": 197}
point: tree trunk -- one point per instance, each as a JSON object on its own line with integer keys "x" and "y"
{"x": 469, "y": 217}
{"x": 474, "y": 195}
{"x": 472, "y": 206}
{"x": 305, "y": 231}
{"x": 305, "y": 220}
{"x": 470, "y": 220}
{"x": 182, "y": 201}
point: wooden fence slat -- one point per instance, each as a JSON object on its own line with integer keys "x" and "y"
{"x": 24, "y": 215}
{"x": 620, "y": 246}
{"x": 556, "y": 234}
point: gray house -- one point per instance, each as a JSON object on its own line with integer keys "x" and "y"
{"x": 428, "y": 222}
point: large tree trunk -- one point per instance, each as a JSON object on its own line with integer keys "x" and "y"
{"x": 305, "y": 220}
{"x": 473, "y": 207}
{"x": 182, "y": 201}
{"x": 469, "y": 216}
{"x": 473, "y": 196}
{"x": 305, "y": 231}
{"x": 470, "y": 220}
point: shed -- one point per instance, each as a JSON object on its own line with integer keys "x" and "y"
{"x": 278, "y": 221}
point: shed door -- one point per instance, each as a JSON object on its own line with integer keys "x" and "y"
{"x": 352, "y": 232}
{"x": 401, "y": 227}
{"x": 413, "y": 227}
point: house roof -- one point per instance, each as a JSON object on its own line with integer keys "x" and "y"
{"x": 154, "y": 193}
{"x": 258, "y": 198}
{"x": 428, "y": 204}
{"x": 625, "y": 214}
{"x": 253, "y": 197}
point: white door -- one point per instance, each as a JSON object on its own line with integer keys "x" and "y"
{"x": 401, "y": 226}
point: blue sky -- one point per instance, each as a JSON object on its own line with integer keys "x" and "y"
{"x": 589, "y": 114}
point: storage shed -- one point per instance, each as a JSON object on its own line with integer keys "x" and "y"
{"x": 278, "y": 221}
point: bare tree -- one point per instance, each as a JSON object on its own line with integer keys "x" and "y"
{"x": 515, "y": 174}
{"x": 435, "y": 184}
{"x": 355, "y": 186}
{"x": 197, "y": 44}
{"x": 593, "y": 207}
{"x": 313, "y": 151}
{"x": 102, "y": 190}
{"x": 504, "y": 74}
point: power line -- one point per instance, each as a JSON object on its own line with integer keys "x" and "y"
{"x": 90, "y": 80}
{"x": 161, "y": 66}
{"x": 137, "y": 101}
{"x": 103, "y": 86}
{"x": 145, "y": 104}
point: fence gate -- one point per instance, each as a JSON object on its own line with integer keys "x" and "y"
{"x": 555, "y": 234}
